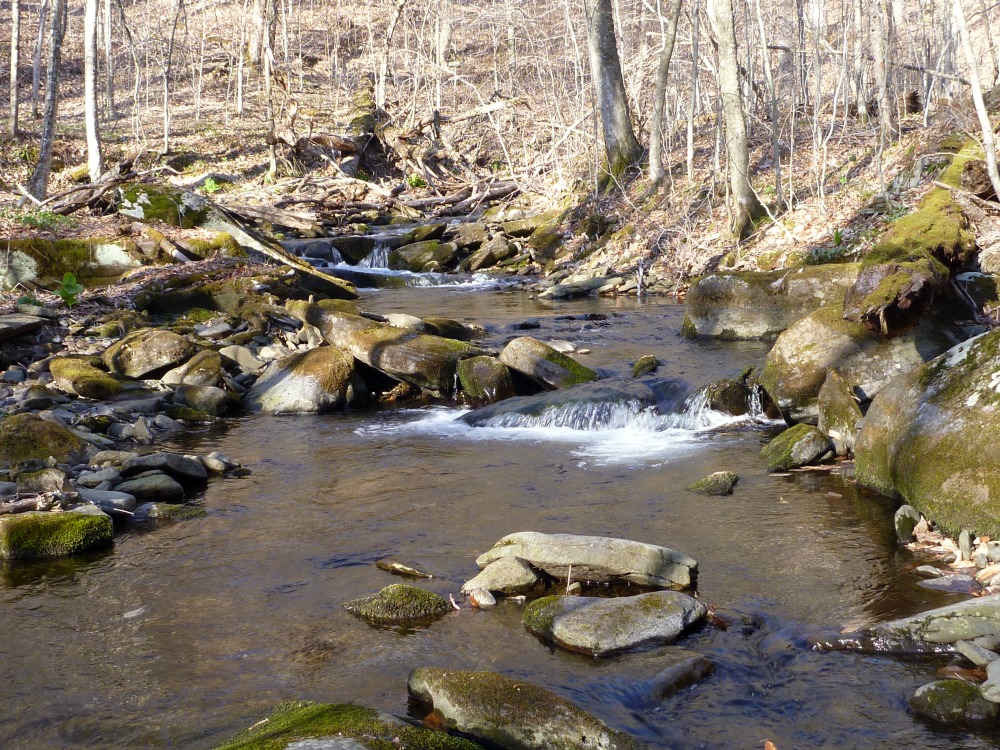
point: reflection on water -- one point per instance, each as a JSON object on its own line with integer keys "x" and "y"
{"x": 181, "y": 635}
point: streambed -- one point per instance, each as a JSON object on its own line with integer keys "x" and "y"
{"x": 180, "y": 636}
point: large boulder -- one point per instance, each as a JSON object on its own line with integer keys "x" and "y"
{"x": 543, "y": 364}
{"x": 484, "y": 379}
{"x": 399, "y": 602}
{"x": 313, "y": 382}
{"x": 510, "y": 713}
{"x": 930, "y": 438}
{"x": 426, "y": 361}
{"x": 319, "y": 726}
{"x": 147, "y": 352}
{"x": 600, "y": 626}
{"x": 34, "y": 535}
{"x": 419, "y": 256}
{"x": 508, "y": 575}
{"x": 597, "y": 559}
{"x": 839, "y": 414}
{"x": 26, "y": 437}
{"x": 81, "y": 378}
{"x": 797, "y": 365}
{"x": 754, "y": 305}
{"x": 204, "y": 368}
{"x": 954, "y": 702}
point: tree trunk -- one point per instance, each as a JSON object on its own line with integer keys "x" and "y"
{"x": 39, "y": 182}
{"x": 109, "y": 65}
{"x": 36, "y": 63}
{"x": 882, "y": 36}
{"x": 745, "y": 205}
{"x": 95, "y": 162}
{"x": 383, "y": 59}
{"x": 15, "y": 41}
{"x": 693, "y": 99}
{"x": 772, "y": 105}
{"x": 656, "y": 173}
{"x": 621, "y": 148}
{"x": 977, "y": 97}
{"x": 167, "y": 65}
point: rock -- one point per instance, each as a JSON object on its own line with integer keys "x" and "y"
{"x": 645, "y": 365}
{"x": 574, "y": 289}
{"x": 495, "y": 251}
{"x": 597, "y": 559}
{"x": 448, "y": 328}
{"x": 906, "y": 519}
{"x": 78, "y": 377}
{"x": 964, "y": 545}
{"x": 753, "y": 305}
{"x": 406, "y": 322}
{"x": 242, "y": 357}
{"x": 953, "y": 584}
{"x": 320, "y": 380}
{"x": 26, "y": 437}
{"x": 214, "y": 330}
{"x": 168, "y": 512}
{"x": 954, "y": 702}
{"x": 963, "y": 621}
{"x": 416, "y": 257}
{"x": 399, "y": 602}
{"x": 108, "y": 498}
{"x": 152, "y": 486}
{"x": 726, "y": 396}
{"x": 839, "y": 414}
{"x": 930, "y": 438}
{"x": 420, "y": 359}
{"x": 508, "y": 575}
{"x": 797, "y": 446}
{"x": 12, "y": 326}
{"x": 317, "y": 726}
{"x": 601, "y": 626}
{"x": 428, "y": 232}
{"x": 33, "y": 535}
{"x": 543, "y": 364}
{"x": 481, "y": 599}
{"x": 687, "y": 670}
{"x": 470, "y": 235}
{"x": 115, "y": 458}
{"x": 44, "y": 480}
{"x": 206, "y": 399}
{"x": 797, "y": 365}
{"x": 181, "y": 468}
{"x": 146, "y": 352}
{"x": 204, "y": 368}
{"x": 991, "y": 688}
{"x": 484, "y": 379}
{"x": 975, "y": 653}
{"x": 511, "y": 713}
{"x": 719, "y": 483}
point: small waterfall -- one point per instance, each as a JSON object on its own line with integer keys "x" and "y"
{"x": 336, "y": 258}
{"x": 581, "y": 415}
{"x": 756, "y": 403}
{"x": 377, "y": 258}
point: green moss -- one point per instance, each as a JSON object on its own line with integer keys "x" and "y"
{"x": 399, "y": 602}
{"x": 648, "y": 364}
{"x": 222, "y": 245}
{"x": 969, "y": 151}
{"x": 539, "y": 616}
{"x": 936, "y": 230}
{"x": 485, "y": 379}
{"x": 688, "y": 329}
{"x": 190, "y": 415}
{"x": 577, "y": 373}
{"x": 163, "y": 203}
{"x": 786, "y": 450}
{"x": 29, "y": 536}
{"x": 329, "y": 366}
{"x": 720, "y": 483}
{"x": 177, "y": 511}
{"x": 79, "y": 377}
{"x": 303, "y": 720}
{"x": 200, "y": 315}
{"x": 26, "y": 437}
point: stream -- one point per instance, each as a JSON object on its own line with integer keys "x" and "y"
{"x": 186, "y": 633}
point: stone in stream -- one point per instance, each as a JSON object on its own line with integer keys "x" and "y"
{"x": 720, "y": 483}
{"x": 43, "y": 480}
{"x": 304, "y": 725}
{"x": 954, "y": 702}
{"x": 727, "y": 396}
{"x": 597, "y": 559}
{"x": 317, "y": 381}
{"x": 181, "y": 468}
{"x": 152, "y": 485}
{"x": 905, "y": 520}
{"x": 797, "y": 446}
{"x": 510, "y": 713}
{"x": 204, "y": 368}
{"x": 146, "y": 352}
{"x": 79, "y": 377}
{"x": 206, "y": 399}
{"x": 543, "y": 364}
{"x": 416, "y": 257}
{"x": 687, "y": 669}
{"x": 508, "y": 575}
{"x": 488, "y": 255}
{"x": 645, "y": 365}
{"x": 27, "y": 437}
{"x": 108, "y": 498}
{"x": 34, "y": 535}
{"x": 399, "y": 603}
{"x": 484, "y": 379}
{"x": 600, "y": 626}
{"x": 839, "y": 414}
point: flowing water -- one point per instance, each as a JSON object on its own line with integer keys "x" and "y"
{"x": 184, "y": 634}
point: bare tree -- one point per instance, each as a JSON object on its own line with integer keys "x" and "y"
{"x": 882, "y": 43}
{"x": 15, "y": 42}
{"x": 656, "y": 172}
{"x": 977, "y": 96}
{"x": 38, "y": 184}
{"x": 621, "y": 148}
{"x": 95, "y": 162}
{"x": 36, "y": 63}
{"x": 109, "y": 64}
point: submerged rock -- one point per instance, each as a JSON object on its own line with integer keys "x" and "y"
{"x": 601, "y": 626}
{"x": 543, "y": 364}
{"x": 797, "y": 446}
{"x": 930, "y": 438}
{"x": 152, "y": 486}
{"x": 399, "y": 602}
{"x": 511, "y": 713}
{"x": 304, "y": 725}
{"x": 720, "y": 483}
{"x": 597, "y": 559}
{"x": 34, "y": 535}
{"x": 954, "y": 702}
{"x": 688, "y": 669}
{"x": 313, "y": 382}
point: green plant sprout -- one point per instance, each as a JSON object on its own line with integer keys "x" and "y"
{"x": 69, "y": 290}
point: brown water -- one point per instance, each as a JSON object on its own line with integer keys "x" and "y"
{"x": 182, "y": 635}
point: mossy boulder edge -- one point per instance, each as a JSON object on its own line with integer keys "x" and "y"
{"x": 37, "y": 535}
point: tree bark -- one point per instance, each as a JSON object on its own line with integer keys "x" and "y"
{"x": 745, "y": 206}
{"x": 95, "y": 161}
{"x": 977, "y": 97}
{"x": 772, "y": 107}
{"x": 15, "y": 42}
{"x": 882, "y": 37}
{"x": 656, "y": 172}
{"x": 621, "y": 148}
{"x": 36, "y": 63}
{"x": 38, "y": 184}
{"x": 109, "y": 64}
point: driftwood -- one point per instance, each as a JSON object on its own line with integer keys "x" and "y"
{"x": 19, "y": 506}
{"x": 277, "y": 216}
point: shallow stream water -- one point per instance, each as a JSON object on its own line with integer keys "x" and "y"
{"x": 184, "y": 634}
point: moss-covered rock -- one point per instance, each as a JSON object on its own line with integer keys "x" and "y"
{"x": 313, "y": 382}
{"x": 727, "y": 396}
{"x": 26, "y": 437}
{"x": 718, "y": 483}
{"x": 510, "y": 713}
{"x": 166, "y": 204}
{"x": 485, "y": 380}
{"x": 34, "y": 535}
{"x": 954, "y": 702}
{"x": 797, "y": 446}
{"x": 930, "y": 438}
{"x": 43, "y": 262}
{"x": 543, "y": 364}
{"x": 751, "y": 305}
{"x": 839, "y": 414}
{"x": 417, "y": 256}
{"x": 448, "y": 328}
{"x": 77, "y": 376}
{"x": 797, "y": 365}
{"x": 204, "y": 368}
{"x": 304, "y": 720}
{"x": 146, "y": 352}
{"x": 399, "y": 602}
{"x": 645, "y": 365}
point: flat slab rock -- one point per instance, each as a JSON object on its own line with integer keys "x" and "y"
{"x": 597, "y": 559}
{"x": 18, "y": 325}
{"x": 598, "y": 626}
